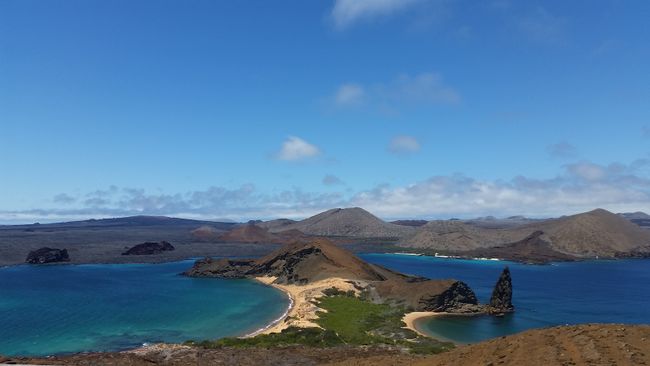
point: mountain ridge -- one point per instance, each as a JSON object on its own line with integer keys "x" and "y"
{"x": 594, "y": 234}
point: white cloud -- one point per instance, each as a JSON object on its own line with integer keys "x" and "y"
{"x": 347, "y": 12}
{"x": 404, "y": 145}
{"x": 349, "y": 94}
{"x": 582, "y": 187}
{"x": 426, "y": 88}
{"x": 587, "y": 171}
{"x": 295, "y": 148}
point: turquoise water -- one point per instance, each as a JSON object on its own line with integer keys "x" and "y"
{"x": 557, "y": 294}
{"x": 73, "y": 308}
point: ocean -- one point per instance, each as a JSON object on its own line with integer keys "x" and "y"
{"x": 543, "y": 295}
{"x": 74, "y": 308}
{"x": 59, "y": 309}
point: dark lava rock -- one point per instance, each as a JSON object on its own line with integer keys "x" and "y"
{"x": 501, "y": 300}
{"x": 458, "y": 298}
{"x": 149, "y": 248}
{"x": 47, "y": 255}
{"x": 638, "y": 253}
{"x": 223, "y": 268}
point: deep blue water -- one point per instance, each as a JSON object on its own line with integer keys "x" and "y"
{"x": 557, "y": 294}
{"x": 72, "y": 308}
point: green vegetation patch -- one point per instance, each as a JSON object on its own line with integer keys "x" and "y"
{"x": 356, "y": 321}
{"x": 346, "y": 320}
{"x": 312, "y": 337}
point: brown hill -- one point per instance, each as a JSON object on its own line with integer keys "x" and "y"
{"x": 597, "y": 233}
{"x": 247, "y": 233}
{"x": 588, "y": 344}
{"x": 348, "y": 222}
{"x": 414, "y": 223}
{"x": 206, "y": 233}
{"x": 455, "y": 235}
{"x": 320, "y": 259}
{"x": 532, "y": 249}
{"x": 276, "y": 225}
{"x": 296, "y": 263}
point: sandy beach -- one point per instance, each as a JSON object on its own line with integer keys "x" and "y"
{"x": 411, "y": 318}
{"x": 302, "y": 311}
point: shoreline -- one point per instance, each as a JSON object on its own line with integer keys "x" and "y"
{"x": 277, "y": 321}
{"x": 302, "y": 311}
{"x": 413, "y": 318}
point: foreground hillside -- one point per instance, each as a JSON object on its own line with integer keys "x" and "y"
{"x": 590, "y": 344}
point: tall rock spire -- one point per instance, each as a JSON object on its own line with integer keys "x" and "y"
{"x": 501, "y": 300}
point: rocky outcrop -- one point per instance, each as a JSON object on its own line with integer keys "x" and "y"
{"x": 458, "y": 298}
{"x": 637, "y": 253}
{"x": 47, "y": 255}
{"x": 501, "y": 300}
{"x": 149, "y": 248}
{"x": 223, "y": 268}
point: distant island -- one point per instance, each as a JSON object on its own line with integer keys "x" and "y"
{"x": 597, "y": 234}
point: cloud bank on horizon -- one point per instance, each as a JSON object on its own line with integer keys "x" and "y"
{"x": 582, "y": 186}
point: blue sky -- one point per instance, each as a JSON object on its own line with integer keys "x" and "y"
{"x": 261, "y": 109}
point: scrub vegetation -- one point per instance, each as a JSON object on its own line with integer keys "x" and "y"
{"x": 346, "y": 320}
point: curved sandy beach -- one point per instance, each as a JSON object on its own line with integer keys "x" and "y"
{"x": 410, "y": 319}
{"x": 302, "y": 311}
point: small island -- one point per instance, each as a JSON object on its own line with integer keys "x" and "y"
{"x": 149, "y": 248}
{"x": 47, "y": 255}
